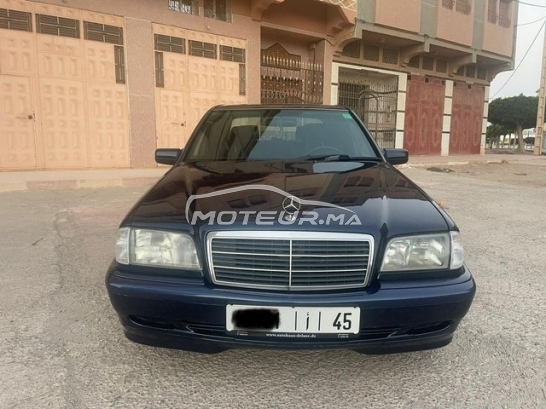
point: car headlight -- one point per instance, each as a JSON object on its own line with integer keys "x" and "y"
{"x": 156, "y": 248}
{"x": 426, "y": 252}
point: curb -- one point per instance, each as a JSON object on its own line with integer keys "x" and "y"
{"x": 33, "y": 185}
{"x": 456, "y": 163}
{"x": 98, "y": 183}
{"x": 423, "y": 165}
{"x": 460, "y": 163}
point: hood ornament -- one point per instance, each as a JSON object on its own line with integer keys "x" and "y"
{"x": 291, "y": 206}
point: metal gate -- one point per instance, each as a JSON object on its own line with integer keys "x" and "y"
{"x": 424, "y": 115}
{"x": 63, "y": 88}
{"x": 466, "y": 119}
{"x": 286, "y": 79}
{"x": 193, "y": 72}
{"x": 373, "y": 97}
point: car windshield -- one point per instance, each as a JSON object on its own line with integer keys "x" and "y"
{"x": 280, "y": 134}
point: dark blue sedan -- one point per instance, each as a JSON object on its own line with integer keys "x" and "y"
{"x": 288, "y": 228}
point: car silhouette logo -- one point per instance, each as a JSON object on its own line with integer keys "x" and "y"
{"x": 291, "y": 205}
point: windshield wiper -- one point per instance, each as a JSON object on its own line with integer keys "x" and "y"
{"x": 336, "y": 158}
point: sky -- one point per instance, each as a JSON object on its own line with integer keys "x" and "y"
{"x": 526, "y": 80}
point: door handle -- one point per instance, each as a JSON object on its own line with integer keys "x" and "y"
{"x": 29, "y": 117}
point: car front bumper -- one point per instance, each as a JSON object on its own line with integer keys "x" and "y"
{"x": 191, "y": 314}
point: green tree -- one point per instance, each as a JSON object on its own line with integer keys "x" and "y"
{"x": 495, "y": 131}
{"x": 516, "y": 113}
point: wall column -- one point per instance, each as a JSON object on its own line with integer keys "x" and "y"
{"x": 324, "y": 53}
{"x": 401, "y": 111}
{"x": 141, "y": 86}
{"x": 254, "y": 66}
{"x": 484, "y": 125}
{"x": 335, "y": 84}
{"x": 446, "y": 127}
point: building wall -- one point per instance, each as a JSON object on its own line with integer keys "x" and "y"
{"x": 460, "y": 44}
{"x": 92, "y": 137}
{"x": 455, "y": 26}
{"x": 486, "y": 25}
{"x": 498, "y": 40}
{"x": 139, "y": 16}
{"x": 289, "y": 15}
{"x": 76, "y": 100}
{"x": 500, "y": 16}
{"x": 242, "y": 25}
{"x": 421, "y": 38}
{"x": 402, "y": 14}
{"x": 151, "y": 115}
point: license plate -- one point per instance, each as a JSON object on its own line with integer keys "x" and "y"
{"x": 290, "y": 321}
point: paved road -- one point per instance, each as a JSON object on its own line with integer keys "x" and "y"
{"x": 61, "y": 345}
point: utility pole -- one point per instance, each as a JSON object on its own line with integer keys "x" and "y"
{"x": 541, "y": 103}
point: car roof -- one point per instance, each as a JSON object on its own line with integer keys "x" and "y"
{"x": 279, "y": 106}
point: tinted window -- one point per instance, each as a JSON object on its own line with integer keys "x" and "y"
{"x": 280, "y": 134}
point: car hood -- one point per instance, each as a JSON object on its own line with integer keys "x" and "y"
{"x": 385, "y": 202}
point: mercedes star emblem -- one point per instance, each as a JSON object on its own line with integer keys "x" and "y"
{"x": 291, "y": 205}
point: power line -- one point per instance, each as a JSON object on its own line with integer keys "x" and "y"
{"x": 531, "y": 22}
{"x": 531, "y": 4}
{"x": 521, "y": 62}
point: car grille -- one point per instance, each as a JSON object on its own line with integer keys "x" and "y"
{"x": 289, "y": 260}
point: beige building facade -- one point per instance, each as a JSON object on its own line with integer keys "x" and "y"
{"x": 102, "y": 84}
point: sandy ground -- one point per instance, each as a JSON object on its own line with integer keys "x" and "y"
{"x": 61, "y": 345}
{"x": 530, "y": 174}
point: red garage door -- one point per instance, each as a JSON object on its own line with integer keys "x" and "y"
{"x": 424, "y": 115}
{"x": 466, "y": 119}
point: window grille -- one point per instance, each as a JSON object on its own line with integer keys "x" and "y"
{"x": 492, "y": 15}
{"x": 428, "y": 63}
{"x": 242, "y": 79}
{"x": 201, "y": 49}
{"x": 448, "y": 4}
{"x": 218, "y": 9}
{"x": 390, "y": 56}
{"x": 57, "y": 26}
{"x": 371, "y": 53}
{"x": 505, "y": 19}
{"x": 352, "y": 49}
{"x": 185, "y": 6}
{"x": 159, "y": 70}
{"x": 15, "y": 20}
{"x": 169, "y": 44}
{"x": 232, "y": 54}
{"x": 464, "y": 6}
{"x": 102, "y": 33}
{"x": 119, "y": 58}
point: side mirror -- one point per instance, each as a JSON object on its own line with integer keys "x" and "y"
{"x": 167, "y": 156}
{"x": 396, "y": 156}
